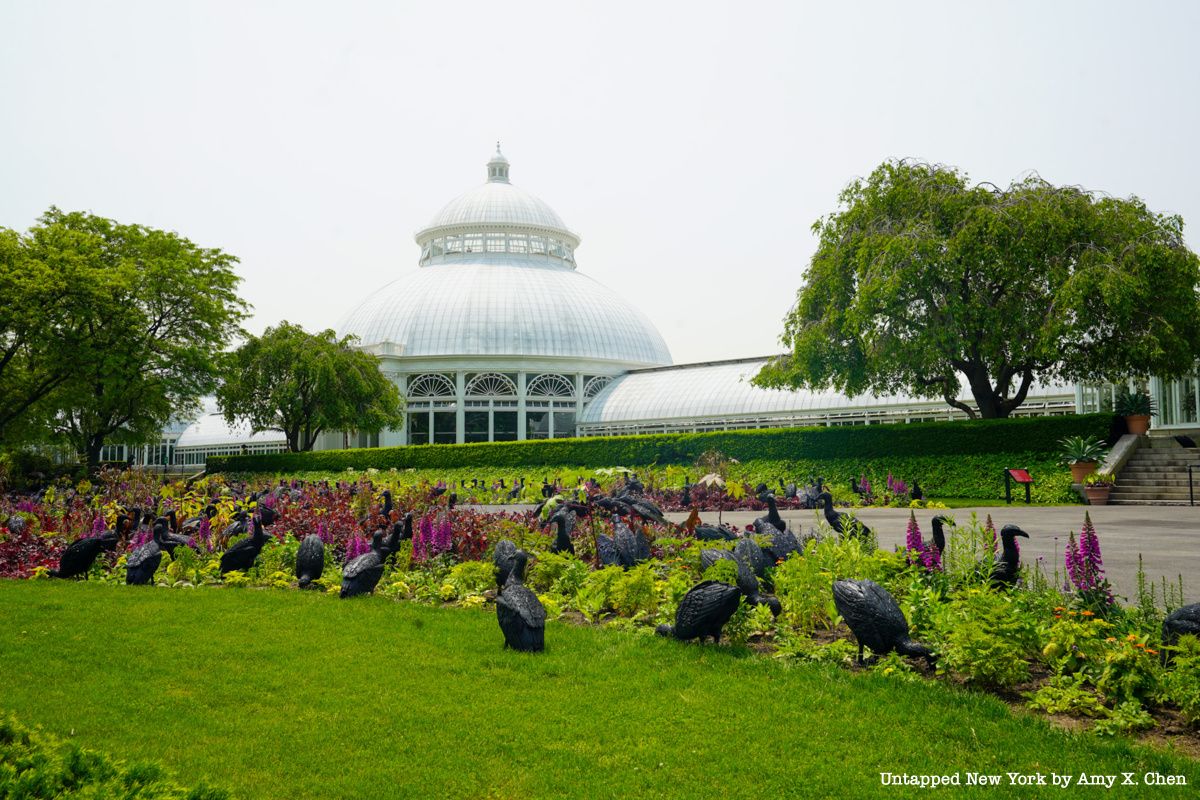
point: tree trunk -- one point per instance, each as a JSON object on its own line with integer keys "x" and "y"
{"x": 989, "y": 402}
{"x": 94, "y": 445}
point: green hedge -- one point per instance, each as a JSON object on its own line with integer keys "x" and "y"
{"x": 975, "y": 437}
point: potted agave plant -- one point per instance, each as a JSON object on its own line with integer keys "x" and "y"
{"x": 1136, "y": 406}
{"x": 1081, "y": 455}
{"x": 1097, "y": 487}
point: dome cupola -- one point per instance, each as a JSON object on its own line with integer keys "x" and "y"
{"x": 497, "y": 278}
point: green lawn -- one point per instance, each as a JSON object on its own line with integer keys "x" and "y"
{"x": 279, "y": 694}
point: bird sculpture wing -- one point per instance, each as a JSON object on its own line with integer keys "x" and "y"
{"x": 361, "y": 565}
{"x": 710, "y": 556}
{"x": 714, "y": 533}
{"x": 522, "y": 602}
{"x": 707, "y": 605}
{"x": 1183, "y": 621}
{"x": 144, "y": 554}
{"x": 607, "y": 550}
{"x": 310, "y": 558}
{"x": 747, "y": 550}
{"x": 783, "y": 544}
{"x": 870, "y": 613}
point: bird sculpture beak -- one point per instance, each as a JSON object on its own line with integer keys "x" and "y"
{"x": 1022, "y": 533}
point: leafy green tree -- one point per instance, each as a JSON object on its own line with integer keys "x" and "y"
{"x": 302, "y": 384}
{"x": 921, "y": 280}
{"x": 159, "y": 312}
{"x": 44, "y": 298}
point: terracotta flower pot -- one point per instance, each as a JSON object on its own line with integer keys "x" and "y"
{"x": 1081, "y": 469}
{"x": 1138, "y": 424}
{"x": 1097, "y": 495}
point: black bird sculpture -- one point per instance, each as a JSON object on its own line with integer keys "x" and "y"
{"x": 503, "y": 557}
{"x": 143, "y": 562}
{"x": 242, "y": 554}
{"x": 939, "y": 534}
{"x": 789, "y": 491}
{"x": 643, "y": 507}
{"x": 521, "y": 615}
{"x": 170, "y": 539}
{"x": 783, "y": 544}
{"x": 310, "y": 560}
{"x": 632, "y": 546}
{"x": 748, "y": 584}
{"x": 703, "y": 612}
{"x": 237, "y": 527}
{"x": 362, "y": 575}
{"x": 841, "y": 522}
{"x": 711, "y": 555}
{"x": 771, "y": 522}
{"x": 748, "y": 550}
{"x": 80, "y": 554}
{"x": 714, "y": 533}
{"x": 1004, "y": 571}
{"x": 606, "y": 551}
{"x": 562, "y": 542}
{"x": 191, "y": 525}
{"x": 876, "y": 620}
{"x": 1180, "y": 622}
{"x": 916, "y": 492}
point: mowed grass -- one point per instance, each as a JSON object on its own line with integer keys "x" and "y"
{"x": 277, "y": 694}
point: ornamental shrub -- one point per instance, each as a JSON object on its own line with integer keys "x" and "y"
{"x": 35, "y": 765}
{"x": 984, "y": 637}
{"x": 863, "y": 443}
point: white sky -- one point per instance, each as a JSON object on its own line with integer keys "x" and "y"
{"x": 691, "y": 145}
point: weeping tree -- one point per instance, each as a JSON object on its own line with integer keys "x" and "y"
{"x": 923, "y": 282}
{"x": 303, "y": 383}
{"x": 119, "y": 328}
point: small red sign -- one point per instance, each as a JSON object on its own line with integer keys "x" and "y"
{"x": 1020, "y": 475}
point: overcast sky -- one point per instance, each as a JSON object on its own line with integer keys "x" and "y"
{"x": 691, "y": 145}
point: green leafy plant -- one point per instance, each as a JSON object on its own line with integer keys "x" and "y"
{"x": 1181, "y": 684}
{"x": 1101, "y": 479}
{"x": 559, "y": 573}
{"x": 1131, "y": 671}
{"x": 1080, "y": 449}
{"x": 1067, "y": 694}
{"x": 472, "y": 578}
{"x": 36, "y": 765}
{"x": 985, "y": 638}
{"x": 1124, "y": 718}
{"x": 1133, "y": 402}
{"x": 1076, "y": 641}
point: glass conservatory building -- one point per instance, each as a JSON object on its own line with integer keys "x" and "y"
{"x": 498, "y": 336}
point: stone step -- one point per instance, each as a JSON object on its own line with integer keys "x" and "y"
{"x": 1118, "y": 501}
{"x": 1164, "y": 469}
{"x": 1172, "y": 478}
{"x": 1165, "y": 455}
{"x": 1151, "y": 495}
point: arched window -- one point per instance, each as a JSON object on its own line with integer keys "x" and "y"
{"x": 431, "y": 386}
{"x": 594, "y": 385}
{"x": 491, "y": 384}
{"x": 551, "y": 386}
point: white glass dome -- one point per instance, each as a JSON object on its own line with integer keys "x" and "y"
{"x": 496, "y": 203}
{"x": 506, "y": 307}
{"x": 498, "y": 278}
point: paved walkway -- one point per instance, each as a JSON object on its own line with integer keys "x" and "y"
{"x": 1167, "y": 537}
